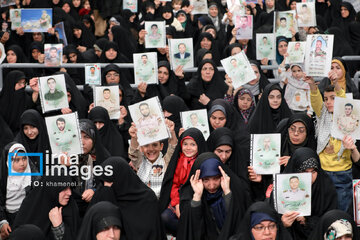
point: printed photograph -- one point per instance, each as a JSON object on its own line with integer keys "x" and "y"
{"x": 285, "y": 23}
{"x": 60, "y": 33}
{"x": 244, "y": 25}
{"x": 145, "y": 68}
{"x": 238, "y": 68}
{"x": 265, "y": 46}
{"x": 181, "y": 53}
{"x": 200, "y": 7}
{"x": 346, "y": 118}
{"x": 318, "y": 55}
{"x": 306, "y": 14}
{"x": 15, "y": 18}
{"x": 265, "y": 153}
{"x": 36, "y": 20}
{"x": 53, "y": 94}
{"x": 53, "y": 54}
{"x": 356, "y": 201}
{"x": 2, "y": 53}
{"x": 131, "y": 5}
{"x": 156, "y": 34}
{"x": 64, "y": 134}
{"x": 149, "y": 120}
{"x": 296, "y": 51}
{"x": 293, "y": 193}
{"x": 93, "y": 74}
{"x": 196, "y": 119}
{"x": 108, "y": 98}
{"x": 6, "y": 3}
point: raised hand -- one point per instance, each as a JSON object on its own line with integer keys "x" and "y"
{"x": 225, "y": 181}
{"x": 197, "y": 185}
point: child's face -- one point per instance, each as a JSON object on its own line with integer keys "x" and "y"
{"x": 152, "y": 151}
{"x": 189, "y": 148}
{"x": 297, "y": 73}
{"x": 87, "y": 5}
{"x": 244, "y": 102}
{"x": 176, "y": 6}
{"x": 329, "y": 98}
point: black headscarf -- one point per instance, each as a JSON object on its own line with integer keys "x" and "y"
{"x": 342, "y": 45}
{"x": 167, "y": 183}
{"x": 229, "y": 48}
{"x": 137, "y": 202}
{"x": 87, "y": 39}
{"x": 214, "y": 89}
{"x": 200, "y": 55}
{"x": 238, "y": 160}
{"x": 165, "y": 9}
{"x": 193, "y": 225}
{"x": 323, "y": 192}
{"x": 20, "y": 58}
{"x": 6, "y": 133}
{"x": 124, "y": 40}
{"x": 329, "y": 218}
{"x": 172, "y": 84}
{"x": 214, "y": 49}
{"x": 35, "y": 45}
{"x": 244, "y": 228}
{"x": 232, "y": 116}
{"x": 245, "y": 115}
{"x": 264, "y": 111}
{"x": 99, "y": 217}
{"x": 287, "y": 148}
{"x": 120, "y": 58}
{"x": 13, "y": 103}
{"x": 36, "y": 207}
{"x": 109, "y": 135}
{"x": 27, "y": 231}
{"x": 174, "y": 105}
{"x": 41, "y": 143}
{"x": 263, "y": 81}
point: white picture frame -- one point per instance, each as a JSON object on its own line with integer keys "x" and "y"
{"x": 196, "y": 119}
{"x": 108, "y": 98}
{"x": 93, "y": 74}
{"x": 181, "y": 53}
{"x": 145, "y": 68}
{"x": 265, "y": 46}
{"x": 53, "y": 54}
{"x": 296, "y": 51}
{"x": 156, "y": 34}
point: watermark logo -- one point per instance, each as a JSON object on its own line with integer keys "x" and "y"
{"x": 21, "y": 154}
{"x": 68, "y": 165}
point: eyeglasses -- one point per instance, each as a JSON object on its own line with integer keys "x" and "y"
{"x": 112, "y": 75}
{"x": 261, "y": 228}
{"x": 299, "y": 130}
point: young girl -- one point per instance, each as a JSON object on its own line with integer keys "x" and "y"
{"x": 297, "y": 92}
{"x": 244, "y": 103}
{"x": 191, "y": 144}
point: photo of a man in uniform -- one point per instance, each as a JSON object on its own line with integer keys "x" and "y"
{"x": 266, "y": 154}
{"x": 53, "y": 94}
{"x": 148, "y": 124}
{"x": 244, "y": 31}
{"x": 52, "y": 58}
{"x": 294, "y": 194}
{"x": 265, "y": 47}
{"x": 145, "y": 70}
{"x": 108, "y": 102}
{"x": 348, "y": 122}
{"x": 318, "y": 51}
{"x": 63, "y": 135}
{"x": 194, "y": 120}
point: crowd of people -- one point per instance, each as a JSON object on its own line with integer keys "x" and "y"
{"x": 185, "y": 187}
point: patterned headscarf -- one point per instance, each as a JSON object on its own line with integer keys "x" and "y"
{"x": 246, "y": 113}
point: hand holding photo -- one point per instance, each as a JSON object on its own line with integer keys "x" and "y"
{"x": 292, "y": 192}
{"x": 156, "y": 34}
{"x": 53, "y": 93}
{"x": 149, "y": 120}
{"x": 131, "y": 5}
{"x": 265, "y": 153}
{"x": 53, "y": 54}
{"x": 196, "y": 119}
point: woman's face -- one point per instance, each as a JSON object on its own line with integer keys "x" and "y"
{"x": 282, "y": 48}
{"x": 76, "y": 3}
{"x": 19, "y": 164}
{"x": 335, "y": 67}
{"x": 264, "y": 230}
{"x": 293, "y": 6}
{"x": 109, "y": 233}
{"x": 11, "y": 56}
{"x": 269, "y": 3}
{"x": 217, "y": 119}
{"x": 257, "y": 73}
{"x": 274, "y": 99}
{"x": 223, "y": 152}
{"x": 64, "y": 196}
{"x": 244, "y": 102}
{"x": 66, "y": 8}
{"x": 163, "y": 75}
{"x": 205, "y": 43}
{"x": 77, "y": 32}
{"x": 297, "y": 133}
{"x": 213, "y": 11}
{"x": 111, "y": 54}
{"x": 87, "y": 142}
{"x": 207, "y": 72}
{"x": 235, "y": 50}
{"x": 167, "y": 15}
{"x": 313, "y": 175}
{"x": 30, "y": 131}
{"x": 20, "y": 84}
{"x": 247, "y": 11}
{"x": 344, "y": 12}
{"x": 181, "y": 18}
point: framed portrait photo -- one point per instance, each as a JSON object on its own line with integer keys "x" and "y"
{"x": 285, "y": 23}
{"x": 53, "y": 54}
{"x": 53, "y": 93}
{"x": 356, "y": 201}
{"x": 296, "y": 51}
{"x": 181, "y": 53}
{"x": 196, "y": 119}
{"x": 244, "y": 25}
{"x": 93, "y": 74}
{"x": 265, "y": 152}
{"x": 265, "y": 46}
{"x": 292, "y": 192}
{"x": 108, "y": 98}
{"x": 200, "y": 7}
{"x": 64, "y": 134}
{"x": 36, "y": 20}
{"x": 149, "y": 120}
{"x": 145, "y": 68}
{"x": 156, "y": 34}
{"x": 306, "y": 14}
{"x": 15, "y": 18}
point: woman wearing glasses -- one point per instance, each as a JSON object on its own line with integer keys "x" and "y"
{"x": 261, "y": 221}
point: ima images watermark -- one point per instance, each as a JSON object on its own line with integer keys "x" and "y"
{"x": 69, "y": 166}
